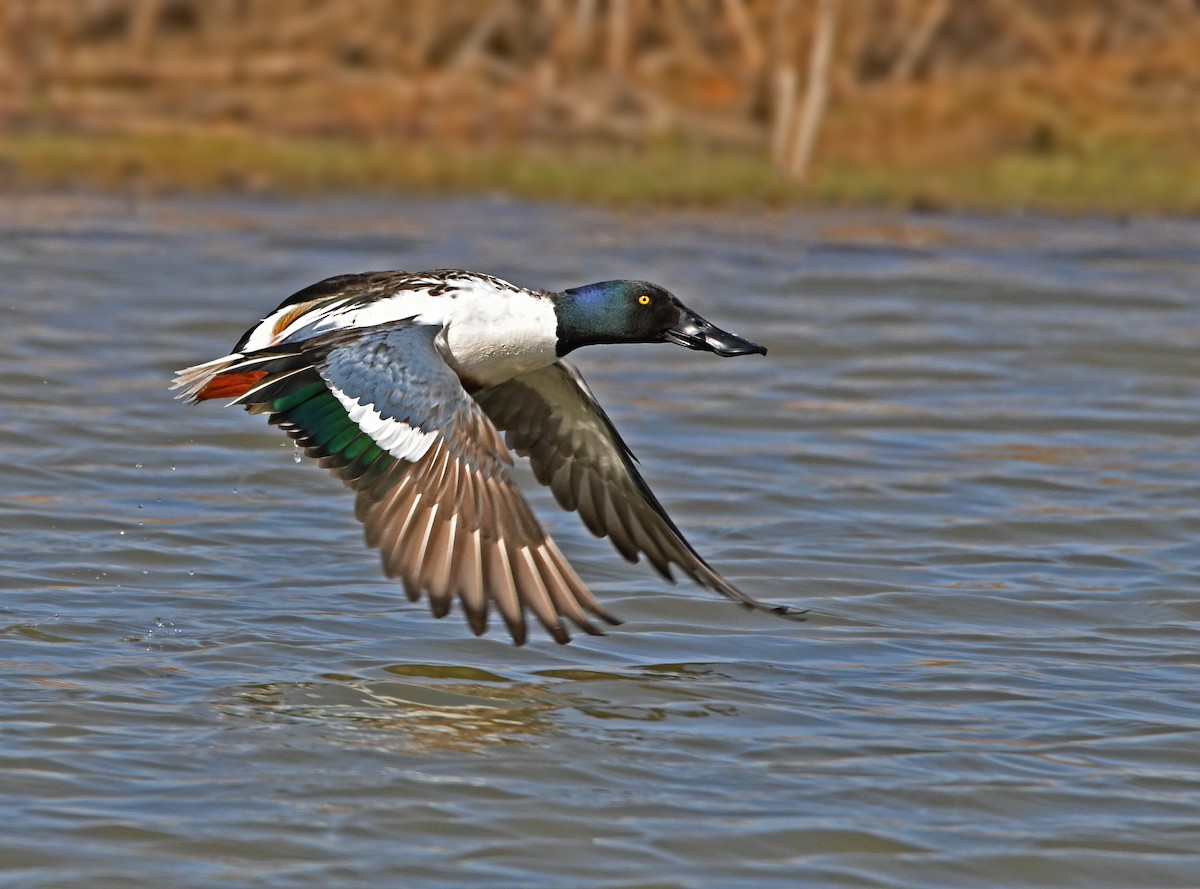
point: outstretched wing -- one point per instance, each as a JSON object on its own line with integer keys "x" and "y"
{"x": 551, "y": 416}
{"x": 383, "y": 410}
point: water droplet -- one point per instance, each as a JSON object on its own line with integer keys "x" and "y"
{"x": 137, "y": 465}
{"x": 122, "y": 533}
{"x": 296, "y": 452}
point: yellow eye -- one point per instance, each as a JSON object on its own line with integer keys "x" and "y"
{"x": 644, "y": 300}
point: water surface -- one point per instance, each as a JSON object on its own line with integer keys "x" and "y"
{"x": 971, "y": 452}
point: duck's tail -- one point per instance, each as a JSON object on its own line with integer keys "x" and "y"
{"x": 229, "y": 377}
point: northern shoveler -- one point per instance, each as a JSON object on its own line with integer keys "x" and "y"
{"x": 401, "y": 383}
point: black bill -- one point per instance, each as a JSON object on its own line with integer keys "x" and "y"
{"x": 694, "y": 332}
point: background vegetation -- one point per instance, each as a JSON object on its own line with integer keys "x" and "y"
{"x": 1063, "y": 104}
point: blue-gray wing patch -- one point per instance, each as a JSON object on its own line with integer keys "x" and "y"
{"x": 396, "y": 387}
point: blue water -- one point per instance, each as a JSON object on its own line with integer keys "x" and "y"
{"x": 971, "y": 453}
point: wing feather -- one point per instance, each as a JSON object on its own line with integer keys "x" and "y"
{"x": 550, "y": 416}
{"x": 382, "y": 409}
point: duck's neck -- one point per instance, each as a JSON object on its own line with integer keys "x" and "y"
{"x": 587, "y": 316}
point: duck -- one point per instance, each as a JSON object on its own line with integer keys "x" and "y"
{"x": 414, "y": 388}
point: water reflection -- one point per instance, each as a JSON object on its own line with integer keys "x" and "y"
{"x": 461, "y": 707}
{"x": 448, "y": 716}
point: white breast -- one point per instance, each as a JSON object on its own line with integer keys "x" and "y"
{"x": 494, "y": 336}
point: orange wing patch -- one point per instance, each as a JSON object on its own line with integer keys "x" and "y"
{"x": 230, "y": 385}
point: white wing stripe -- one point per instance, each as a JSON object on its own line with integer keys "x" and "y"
{"x": 398, "y": 438}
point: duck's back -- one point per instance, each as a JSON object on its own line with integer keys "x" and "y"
{"x": 492, "y": 330}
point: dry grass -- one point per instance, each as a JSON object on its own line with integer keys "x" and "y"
{"x": 1077, "y": 105}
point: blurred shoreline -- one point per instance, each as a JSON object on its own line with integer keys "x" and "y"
{"x": 1109, "y": 182}
{"x": 1070, "y": 107}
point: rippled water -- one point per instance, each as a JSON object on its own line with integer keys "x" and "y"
{"x": 972, "y": 453}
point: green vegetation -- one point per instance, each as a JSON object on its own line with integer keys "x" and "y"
{"x": 202, "y": 162}
{"x": 1121, "y": 177}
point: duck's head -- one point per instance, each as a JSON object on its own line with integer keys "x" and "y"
{"x": 638, "y": 312}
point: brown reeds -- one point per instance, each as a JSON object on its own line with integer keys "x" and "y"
{"x": 890, "y": 76}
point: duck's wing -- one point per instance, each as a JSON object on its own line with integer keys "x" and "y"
{"x": 551, "y": 416}
{"x": 382, "y": 409}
